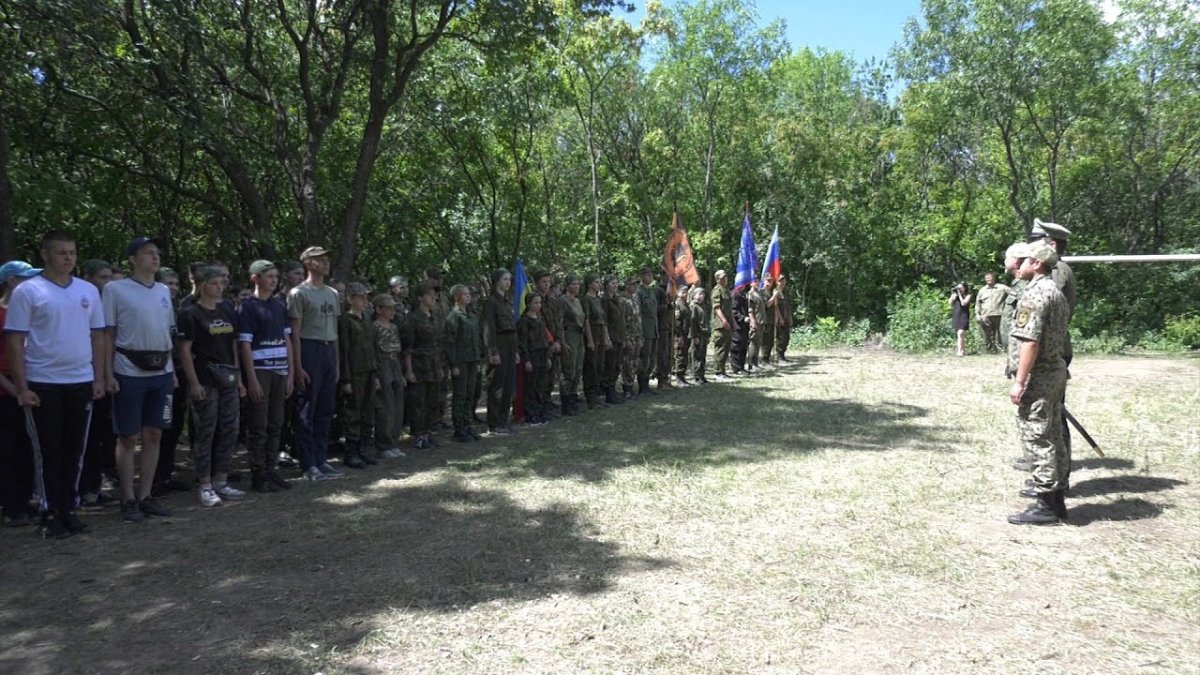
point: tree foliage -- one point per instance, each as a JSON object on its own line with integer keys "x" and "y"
{"x": 465, "y": 133}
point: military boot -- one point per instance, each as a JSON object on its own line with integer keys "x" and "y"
{"x": 1041, "y": 512}
{"x": 1060, "y": 504}
{"x": 565, "y": 403}
{"x": 351, "y": 458}
{"x": 627, "y": 390}
{"x": 365, "y": 451}
{"x": 611, "y": 398}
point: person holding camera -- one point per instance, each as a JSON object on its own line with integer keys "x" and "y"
{"x": 960, "y": 304}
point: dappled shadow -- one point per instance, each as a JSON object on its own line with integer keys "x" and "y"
{"x": 1122, "y": 509}
{"x": 306, "y": 573}
{"x": 1113, "y": 484}
{"x": 751, "y": 419}
{"x": 1101, "y": 463}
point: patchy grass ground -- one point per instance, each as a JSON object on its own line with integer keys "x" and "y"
{"x": 845, "y": 513}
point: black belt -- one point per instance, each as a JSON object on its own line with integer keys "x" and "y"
{"x": 573, "y": 329}
{"x": 320, "y": 342}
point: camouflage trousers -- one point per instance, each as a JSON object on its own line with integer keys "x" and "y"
{"x": 631, "y": 362}
{"x": 1040, "y": 427}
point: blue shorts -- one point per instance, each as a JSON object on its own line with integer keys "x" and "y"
{"x": 142, "y": 402}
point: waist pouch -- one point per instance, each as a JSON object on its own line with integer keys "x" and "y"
{"x": 146, "y": 360}
{"x": 224, "y": 377}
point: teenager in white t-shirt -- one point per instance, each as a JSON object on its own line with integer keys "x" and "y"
{"x": 55, "y": 342}
{"x": 140, "y": 321}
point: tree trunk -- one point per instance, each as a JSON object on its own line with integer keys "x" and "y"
{"x": 8, "y": 243}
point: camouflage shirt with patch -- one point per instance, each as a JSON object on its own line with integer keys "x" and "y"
{"x": 1042, "y": 316}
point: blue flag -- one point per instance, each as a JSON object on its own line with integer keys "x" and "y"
{"x": 747, "y": 262}
{"x": 519, "y": 283}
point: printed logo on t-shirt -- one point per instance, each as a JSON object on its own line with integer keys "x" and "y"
{"x": 83, "y": 302}
{"x": 165, "y": 303}
{"x": 326, "y": 308}
{"x": 219, "y": 327}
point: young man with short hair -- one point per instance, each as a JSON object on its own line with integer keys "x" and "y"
{"x": 313, "y": 310}
{"x": 140, "y": 321}
{"x": 55, "y": 332}
{"x": 264, "y": 340}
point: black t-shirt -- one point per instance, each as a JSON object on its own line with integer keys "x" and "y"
{"x": 213, "y": 335}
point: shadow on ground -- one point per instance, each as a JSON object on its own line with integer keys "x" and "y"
{"x": 274, "y": 584}
{"x": 1122, "y": 509}
{"x": 692, "y": 427}
{"x": 1112, "y": 463}
{"x": 1118, "y": 484}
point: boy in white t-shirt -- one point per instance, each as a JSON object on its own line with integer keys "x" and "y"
{"x": 55, "y": 342}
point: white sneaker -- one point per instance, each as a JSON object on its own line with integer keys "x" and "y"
{"x": 208, "y": 496}
{"x": 394, "y": 453}
{"x": 314, "y": 474}
{"x": 228, "y": 491}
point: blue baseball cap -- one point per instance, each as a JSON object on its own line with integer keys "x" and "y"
{"x": 136, "y": 245}
{"x": 18, "y": 268}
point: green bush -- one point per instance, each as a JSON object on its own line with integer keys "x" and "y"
{"x": 919, "y": 320}
{"x": 1156, "y": 341}
{"x": 855, "y": 333}
{"x": 1183, "y": 331}
{"x": 1104, "y": 343}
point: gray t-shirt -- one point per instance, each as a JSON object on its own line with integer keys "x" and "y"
{"x": 317, "y": 309}
{"x": 142, "y": 319}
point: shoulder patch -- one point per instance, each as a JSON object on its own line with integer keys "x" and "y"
{"x": 1022, "y": 317}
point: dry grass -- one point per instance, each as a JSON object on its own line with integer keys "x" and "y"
{"x": 843, "y": 514}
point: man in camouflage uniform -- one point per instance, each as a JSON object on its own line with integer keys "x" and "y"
{"x": 682, "y": 337}
{"x": 575, "y": 331}
{"x": 633, "y": 338}
{"x": 389, "y": 403}
{"x": 722, "y": 324}
{"x": 552, "y": 313}
{"x": 356, "y": 347}
{"x": 1055, "y": 236}
{"x": 1040, "y": 378}
{"x": 758, "y": 318}
{"x": 989, "y": 305}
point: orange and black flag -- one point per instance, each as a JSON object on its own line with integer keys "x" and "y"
{"x": 678, "y": 260}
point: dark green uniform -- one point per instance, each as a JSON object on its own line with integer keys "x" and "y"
{"x": 758, "y": 310}
{"x": 356, "y": 349}
{"x": 534, "y": 348}
{"x": 722, "y": 335}
{"x": 552, "y": 313}
{"x": 574, "y": 320}
{"x": 614, "y": 317}
{"x": 463, "y": 351}
{"x": 594, "y": 355}
{"x": 499, "y": 341}
{"x": 683, "y": 337}
{"x": 389, "y": 404}
{"x": 422, "y": 351}
{"x": 771, "y": 302}
{"x": 648, "y": 300}
{"x": 699, "y": 333}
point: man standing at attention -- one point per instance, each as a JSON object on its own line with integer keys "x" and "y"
{"x": 265, "y": 344}
{"x": 56, "y": 350}
{"x": 648, "y": 300}
{"x": 141, "y": 320}
{"x": 1036, "y": 354}
{"x": 722, "y": 323}
{"x": 989, "y": 305}
{"x": 313, "y": 310}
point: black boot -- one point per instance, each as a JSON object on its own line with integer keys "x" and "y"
{"x": 627, "y": 389}
{"x": 610, "y": 396}
{"x": 1041, "y": 512}
{"x": 351, "y": 458}
{"x": 260, "y": 483}
{"x": 1060, "y": 504}
{"x": 565, "y": 400}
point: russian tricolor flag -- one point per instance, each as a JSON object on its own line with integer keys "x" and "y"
{"x": 772, "y": 265}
